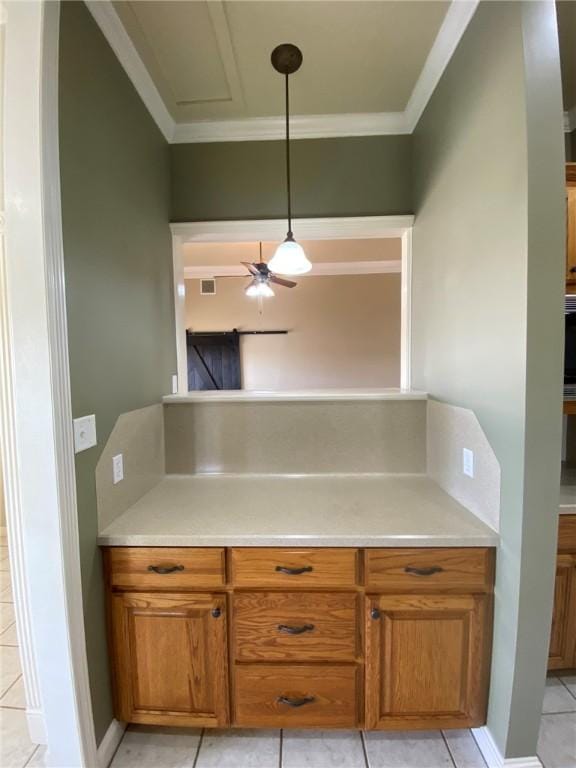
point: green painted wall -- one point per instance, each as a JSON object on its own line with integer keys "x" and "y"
{"x": 487, "y": 298}
{"x": 117, "y": 250}
{"x": 364, "y": 176}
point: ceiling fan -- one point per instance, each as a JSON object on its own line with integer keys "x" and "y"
{"x": 262, "y": 277}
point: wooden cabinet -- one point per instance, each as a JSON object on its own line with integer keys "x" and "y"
{"x": 571, "y": 227}
{"x": 562, "y": 652}
{"x": 169, "y": 658}
{"x": 426, "y": 661}
{"x": 306, "y": 638}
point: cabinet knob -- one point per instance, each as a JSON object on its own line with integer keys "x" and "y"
{"x": 165, "y": 568}
{"x": 374, "y": 613}
{"x": 216, "y": 613}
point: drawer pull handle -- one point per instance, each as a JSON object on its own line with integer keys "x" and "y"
{"x": 295, "y": 702}
{"x": 423, "y": 571}
{"x": 295, "y": 630}
{"x": 294, "y": 571}
{"x": 165, "y": 568}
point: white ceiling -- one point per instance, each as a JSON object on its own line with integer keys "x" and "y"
{"x": 211, "y": 60}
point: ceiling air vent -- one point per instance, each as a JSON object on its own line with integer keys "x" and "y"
{"x": 208, "y": 287}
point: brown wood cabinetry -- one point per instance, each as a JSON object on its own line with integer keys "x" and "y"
{"x": 169, "y": 657}
{"x": 307, "y": 638}
{"x": 562, "y": 652}
{"x": 571, "y": 227}
{"x": 427, "y": 661}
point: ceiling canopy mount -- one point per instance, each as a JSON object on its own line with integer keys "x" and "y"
{"x": 286, "y": 58}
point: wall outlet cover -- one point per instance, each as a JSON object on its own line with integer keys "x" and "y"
{"x": 117, "y": 468}
{"x": 84, "y": 433}
{"x": 468, "y": 462}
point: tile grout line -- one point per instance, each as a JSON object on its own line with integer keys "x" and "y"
{"x": 198, "y": 748}
{"x": 364, "y": 750}
{"x": 445, "y": 740}
{"x": 32, "y": 755}
{"x": 563, "y": 712}
{"x": 565, "y": 686}
{"x": 9, "y": 689}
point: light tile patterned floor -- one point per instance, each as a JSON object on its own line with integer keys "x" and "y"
{"x": 160, "y": 748}
{"x": 16, "y": 749}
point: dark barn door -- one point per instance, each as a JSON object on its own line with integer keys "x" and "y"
{"x": 213, "y": 361}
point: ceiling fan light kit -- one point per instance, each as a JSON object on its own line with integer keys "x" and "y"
{"x": 259, "y": 288}
{"x": 262, "y": 277}
{"x": 289, "y": 258}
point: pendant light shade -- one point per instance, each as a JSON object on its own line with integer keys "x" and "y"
{"x": 289, "y": 258}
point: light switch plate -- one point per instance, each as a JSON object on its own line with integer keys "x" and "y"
{"x": 117, "y": 468}
{"x": 84, "y": 433}
{"x": 468, "y": 462}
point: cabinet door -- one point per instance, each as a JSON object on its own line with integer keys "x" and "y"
{"x": 563, "y": 634}
{"x": 169, "y": 658}
{"x": 427, "y": 661}
{"x": 571, "y": 232}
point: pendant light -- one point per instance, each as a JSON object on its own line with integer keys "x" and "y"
{"x": 289, "y": 258}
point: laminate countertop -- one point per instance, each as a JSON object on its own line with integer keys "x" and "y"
{"x": 311, "y": 510}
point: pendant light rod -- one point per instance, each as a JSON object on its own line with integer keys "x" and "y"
{"x": 289, "y": 258}
{"x": 287, "y": 59}
{"x": 290, "y": 236}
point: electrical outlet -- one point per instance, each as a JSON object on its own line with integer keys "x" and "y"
{"x": 468, "y": 462}
{"x": 84, "y": 433}
{"x": 117, "y": 468}
{"x": 175, "y": 384}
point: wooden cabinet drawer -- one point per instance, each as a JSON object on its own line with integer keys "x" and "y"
{"x": 567, "y": 533}
{"x": 294, "y": 568}
{"x": 296, "y": 695}
{"x": 165, "y": 567}
{"x": 430, "y": 569}
{"x": 296, "y": 626}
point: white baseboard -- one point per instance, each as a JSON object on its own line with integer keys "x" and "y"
{"x": 493, "y": 756}
{"x": 109, "y": 744}
{"x": 36, "y": 726}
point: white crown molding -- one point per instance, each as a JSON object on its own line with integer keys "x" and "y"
{"x": 493, "y": 756}
{"x": 301, "y": 127}
{"x": 319, "y": 269}
{"x": 272, "y": 128}
{"x": 109, "y": 744}
{"x": 113, "y": 30}
{"x": 274, "y": 230}
{"x": 570, "y": 120}
{"x": 449, "y": 35}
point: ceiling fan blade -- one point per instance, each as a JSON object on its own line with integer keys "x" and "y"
{"x": 222, "y": 277}
{"x": 251, "y": 268}
{"x": 281, "y": 281}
